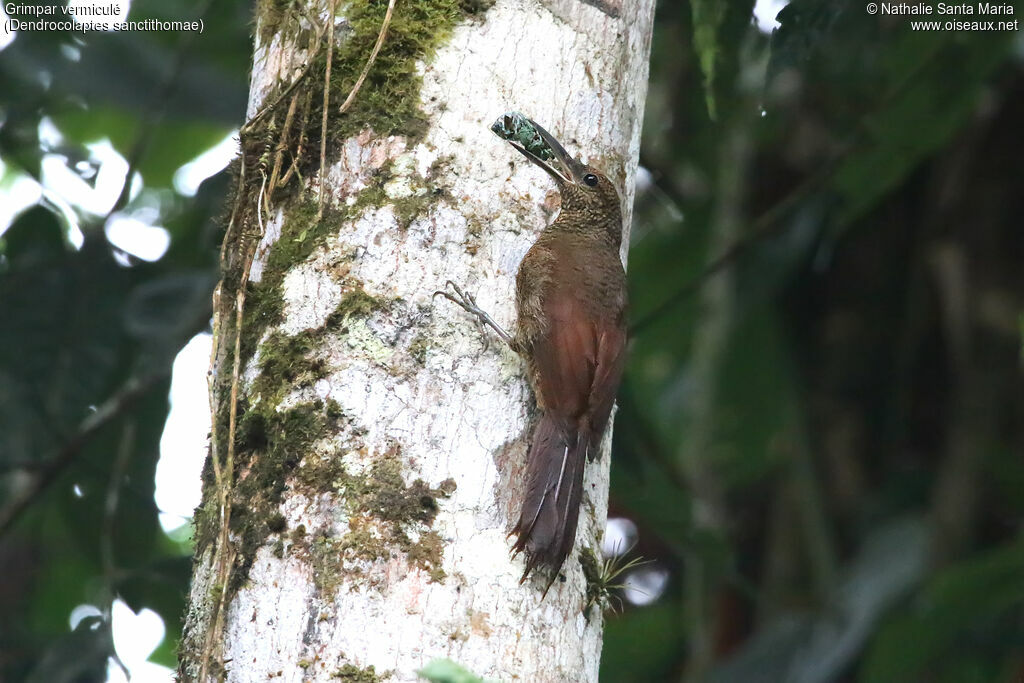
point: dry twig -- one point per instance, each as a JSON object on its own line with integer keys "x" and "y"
{"x": 369, "y": 62}
{"x": 327, "y": 97}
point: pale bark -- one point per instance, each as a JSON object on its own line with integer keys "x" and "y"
{"x": 451, "y": 407}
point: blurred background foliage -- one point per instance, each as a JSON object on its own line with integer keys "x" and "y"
{"x": 819, "y": 439}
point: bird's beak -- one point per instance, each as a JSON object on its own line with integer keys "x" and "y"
{"x": 562, "y": 167}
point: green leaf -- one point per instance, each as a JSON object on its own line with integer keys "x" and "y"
{"x": 642, "y": 644}
{"x": 177, "y": 142}
{"x": 958, "y": 601}
{"x": 1020, "y": 325}
{"x": 891, "y": 96}
{"x": 707, "y": 17}
{"x": 160, "y": 586}
{"x": 819, "y": 646}
{"x": 447, "y": 671}
{"x": 77, "y": 657}
{"x": 167, "y": 308}
{"x": 62, "y": 337}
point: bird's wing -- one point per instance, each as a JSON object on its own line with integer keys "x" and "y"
{"x": 611, "y": 361}
{"x": 579, "y": 359}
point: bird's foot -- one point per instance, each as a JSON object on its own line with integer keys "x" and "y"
{"x": 467, "y": 302}
{"x": 462, "y": 299}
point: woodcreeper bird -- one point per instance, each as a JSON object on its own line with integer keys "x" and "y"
{"x": 571, "y": 330}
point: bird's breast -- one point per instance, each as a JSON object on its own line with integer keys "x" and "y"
{"x": 581, "y": 268}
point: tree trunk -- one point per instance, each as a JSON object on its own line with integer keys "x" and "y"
{"x": 367, "y": 454}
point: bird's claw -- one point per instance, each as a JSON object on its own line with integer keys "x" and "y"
{"x": 466, "y": 302}
{"x": 460, "y": 298}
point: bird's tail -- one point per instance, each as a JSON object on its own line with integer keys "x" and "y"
{"x": 546, "y": 529}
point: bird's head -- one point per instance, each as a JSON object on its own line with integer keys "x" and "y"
{"x": 584, "y": 189}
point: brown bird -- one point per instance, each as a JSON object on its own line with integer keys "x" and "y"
{"x": 571, "y": 331}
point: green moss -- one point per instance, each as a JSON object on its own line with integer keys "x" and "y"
{"x": 276, "y": 523}
{"x": 384, "y": 515}
{"x": 418, "y": 348}
{"x": 300, "y": 235}
{"x": 397, "y": 184}
{"x": 328, "y": 556}
{"x": 334, "y": 409}
{"x": 476, "y": 6}
{"x": 205, "y": 520}
{"x": 283, "y": 358}
{"x": 362, "y": 542}
{"x": 271, "y": 445}
{"x": 375, "y": 193}
{"x": 408, "y": 209}
{"x": 407, "y": 508}
{"x": 264, "y": 308}
{"x": 596, "y": 590}
{"x": 290, "y": 362}
{"x": 427, "y": 554}
{"x": 384, "y": 494}
{"x": 216, "y": 590}
{"x": 271, "y": 13}
{"x": 388, "y": 102}
{"x": 439, "y": 167}
{"x": 355, "y": 302}
{"x": 425, "y": 191}
{"x": 286, "y": 363}
{"x": 350, "y": 673}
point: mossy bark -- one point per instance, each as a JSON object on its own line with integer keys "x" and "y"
{"x": 377, "y": 445}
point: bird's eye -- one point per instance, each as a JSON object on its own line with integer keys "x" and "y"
{"x": 590, "y": 179}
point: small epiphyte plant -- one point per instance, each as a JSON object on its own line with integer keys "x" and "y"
{"x": 606, "y": 577}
